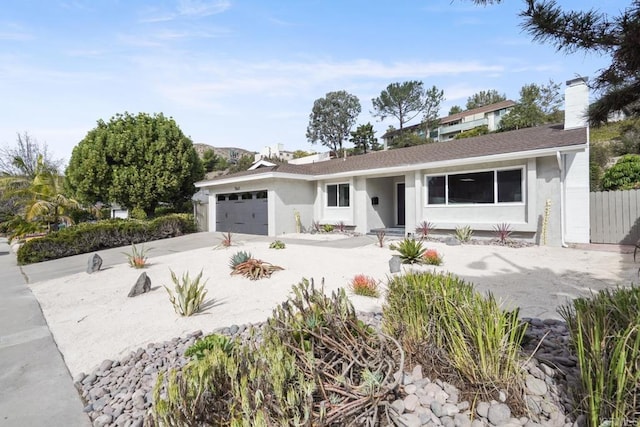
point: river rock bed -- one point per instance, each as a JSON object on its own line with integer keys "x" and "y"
{"x": 120, "y": 392}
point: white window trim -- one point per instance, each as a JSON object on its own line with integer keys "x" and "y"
{"x": 326, "y": 195}
{"x": 495, "y": 188}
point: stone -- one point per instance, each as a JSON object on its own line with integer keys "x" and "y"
{"x": 436, "y": 408}
{"x": 398, "y": 406}
{"x": 410, "y": 389}
{"x": 416, "y": 373}
{"x": 142, "y": 286}
{"x": 394, "y": 264}
{"x": 535, "y": 386}
{"x": 94, "y": 263}
{"x": 102, "y": 420}
{"x": 411, "y": 402}
{"x": 452, "y": 241}
{"x": 450, "y": 409}
{"x": 448, "y": 421}
{"x": 482, "y": 409}
{"x": 498, "y": 414}
{"x": 411, "y": 420}
{"x": 461, "y": 420}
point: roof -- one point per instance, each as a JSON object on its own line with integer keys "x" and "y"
{"x": 453, "y": 117}
{"x": 525, "y": 141}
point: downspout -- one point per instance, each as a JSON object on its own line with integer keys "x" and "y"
{"x": 562, "y": 207}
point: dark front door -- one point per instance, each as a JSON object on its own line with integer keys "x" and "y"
{"x": 400, "y": 203}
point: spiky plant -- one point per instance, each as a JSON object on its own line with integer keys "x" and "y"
{"x": 364, "y": 285}
{"x": 137, "y": 257}
{"x": 277, "y": 244}
{"x": 463, "y": 234}
{"x": 255, "y": 269}
{"x": 502, "y": 232}
{"x": 189, "y": 293}
{"x": 424, "y": 229}
{"x": 411, "y": 251}
{"x": 238, "y": 258}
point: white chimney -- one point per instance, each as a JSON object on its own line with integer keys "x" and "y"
{"x": 576, "y": 103}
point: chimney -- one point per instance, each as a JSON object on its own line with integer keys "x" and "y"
{"x": 576, "y": 103}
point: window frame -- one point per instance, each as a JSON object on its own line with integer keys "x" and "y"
{"x": 495, "y": 171}
{"x": 337, "y": 185}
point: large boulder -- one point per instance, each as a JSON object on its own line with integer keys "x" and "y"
{"x": 142, "y": 286}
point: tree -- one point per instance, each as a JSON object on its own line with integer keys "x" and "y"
{"x": 433, "y": 97}
{"x": 408, "y": 139}
{"x": 298, "y": 154}
{"x": 624, "y": 175}
{"x": 527, "y": 113}
{"x": 485, "y": 97}
{"x": 404, "y": 101}
{"x": 594, "y": 32}
{"x": 22, "y": 160}
{"x": 242, "y": 164}
{"x": 331, "y": 119}
{"x": 136, "y": 161}
{"x": 363, "y": 139}
{"x": 211, "y": 161}
{"x": 455, "y": 110}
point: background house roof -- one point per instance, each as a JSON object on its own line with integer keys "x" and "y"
{"x": 523, "y": 140}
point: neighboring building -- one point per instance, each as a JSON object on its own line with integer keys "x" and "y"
{"x": 275, "y": 151}
{"x": 450, "y": 126}
{"x": 525, "y": 178}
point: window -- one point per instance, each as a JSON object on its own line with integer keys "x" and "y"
{"x": 488, "y": 187}
{"x": 338, "y": 195}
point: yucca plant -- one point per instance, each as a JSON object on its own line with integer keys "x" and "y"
{"x": 238, "y": 258}
{"x": 411, "y": 251}
{"x": 424, "y": 229}
{"x": 364, "y": 285}
{"x": 137, "y": 257}
{"x": 502, "y": 232}
{"x": 463, "y": 234}
{"x": 189, "y": 294}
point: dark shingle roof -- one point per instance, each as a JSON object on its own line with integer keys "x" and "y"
{"x": 536, "y": 138}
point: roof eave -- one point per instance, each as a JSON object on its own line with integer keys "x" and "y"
{"x": 255, "y": 177}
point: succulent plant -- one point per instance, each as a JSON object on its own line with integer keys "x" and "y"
{"x": 238, "y": 258}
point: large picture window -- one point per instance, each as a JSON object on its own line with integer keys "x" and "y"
{"x": 487, "y": 187}
{"x": 338, "y": 195}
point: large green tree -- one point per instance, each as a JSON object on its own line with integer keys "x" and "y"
{"x": 624, "y": 175}
{"x": 594, "y": 32}
{"x": 485, "y": 97}
{"x": 404, "y": 101}
{"x": 137, "y": 161}
{"x": 332, "y": 118}
{"x": 363, "y": 139}
{"x": 538, "y": 104}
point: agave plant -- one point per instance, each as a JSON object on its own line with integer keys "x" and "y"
{"x": 238, "y": 258}
{"x": 189, "y": 294}
{"x": 411, "y": 251}
{"x": 255, "y": 269}
{"x": 137, "y": 257}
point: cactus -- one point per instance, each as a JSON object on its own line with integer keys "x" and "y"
{"x": 238, "y": 258}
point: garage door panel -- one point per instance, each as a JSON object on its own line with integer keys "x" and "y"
{"x": 240, "y": 214}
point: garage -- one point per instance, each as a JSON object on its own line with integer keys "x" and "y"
{"x": 244, "y": 213}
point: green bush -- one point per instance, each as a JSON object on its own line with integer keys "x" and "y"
{"x": 205, "y": 345}
{"x": 605, "y": 334}
{"x": 91, "y": 237}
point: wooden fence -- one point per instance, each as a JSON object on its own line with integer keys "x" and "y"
{"x": 615, "y": 216}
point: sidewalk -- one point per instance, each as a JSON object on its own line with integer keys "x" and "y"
{"x": 35, "y": 386}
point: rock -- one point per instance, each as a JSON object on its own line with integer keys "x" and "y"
{"x": 452, "y": 241}
{"x": 94, "y": 264}
{"x": 411, "y": 420}
{"x": 398, "y": 406}
{"x": 411, "y": 402}
{"x": 142, "y": 286}
{"x": 416, "y": 373}
{"x": 102, "y": 420}
{"x": 535, "y": 386}
{"x": 449, "y": 409}
{"x": 498, "y": 414}
{"x": 448, "y": 422}
{"x": 410, "y": 389}
{"x": 482, "y": 409}
{"x": 502, "y": 396}
{"x": 394, "y": 264}
{"x": 436, "y": 408}
{"x": 461, "y": 420}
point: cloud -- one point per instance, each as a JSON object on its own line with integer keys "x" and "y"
{"x": 12, "y": 31}
{"x": 186, "y": 8}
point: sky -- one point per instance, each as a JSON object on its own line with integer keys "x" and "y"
{"x": 245, "y": 73}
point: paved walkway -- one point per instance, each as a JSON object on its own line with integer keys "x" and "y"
{"x": 36, "y": 388}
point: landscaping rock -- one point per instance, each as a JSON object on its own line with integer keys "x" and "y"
{"x": 394, "y": 264}
{"x": 499, "y": 414}
{"x": 94, "y": 263}
{"x": 142, "y": 286}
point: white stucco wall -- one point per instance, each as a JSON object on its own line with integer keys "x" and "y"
{"x": 382, "y": 214}
{"x": 291, "y": 196}
{"x": 334, "y": 214}
{"x": 576, "y": 197}
{"x": 548, "y": 189}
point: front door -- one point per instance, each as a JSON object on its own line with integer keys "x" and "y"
{"x": 400, "y": 203}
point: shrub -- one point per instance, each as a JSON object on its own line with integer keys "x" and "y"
{"x": 463, "y": 234}
{"x": 380, "y": 234}
{"x": 205, "y": 345}
{"x": 364, "y": 285}
{"x": 605, "y": 335}
{"x": 441, "y": 316}
{"x": 189, "y": 294}
{"x": 278, "y": 244}
{"x": 238, "y": 258}
{"x": 255, "y": 269}
{"x": 269, "y": 380}
{"x": 92, "y": 237}
{"x": 432, "y": 257}
{"x": 424, "y": 229}
{"x": 411, "y": 250}
{"x": 502, "y": 232}
{"x": 138, "y": 213}
{"x": 341, "y": 226}
{"x": 225, "y": 240}
{"x": 327, "y": 228}
{"x": 137, "y": 258}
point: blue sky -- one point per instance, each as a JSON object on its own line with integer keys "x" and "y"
{"x": 245, "y": 73}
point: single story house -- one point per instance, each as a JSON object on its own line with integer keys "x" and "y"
{"x": 535, "y": 179}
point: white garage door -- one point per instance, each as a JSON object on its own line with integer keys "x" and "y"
{"x": 242, "y": 212}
